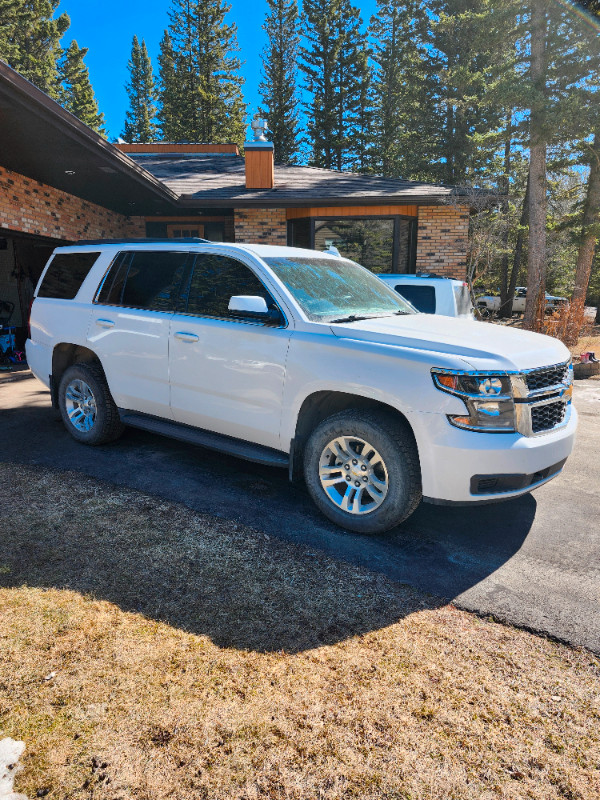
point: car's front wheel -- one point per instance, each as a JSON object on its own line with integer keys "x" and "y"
{"x": 86, "y": 406}
{"x": 362, "y": 470}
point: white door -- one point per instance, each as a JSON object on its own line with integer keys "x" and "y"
{"x": 129, "y": 328}
{"x": 227, "y": 373}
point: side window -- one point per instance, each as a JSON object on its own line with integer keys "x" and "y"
{"x": 422, "y": 297}
{"x": 215, "y": 280}
{"x": 66, "y": 273}
{"x": 144, "y": 279}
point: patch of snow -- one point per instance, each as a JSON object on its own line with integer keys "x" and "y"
{"x": 10, "y": 753}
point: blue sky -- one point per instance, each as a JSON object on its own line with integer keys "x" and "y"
{"x": 107, "y": 27}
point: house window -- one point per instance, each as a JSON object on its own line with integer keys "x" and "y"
{"x": 382, "y": 244}
{"x": 213, "y": 231}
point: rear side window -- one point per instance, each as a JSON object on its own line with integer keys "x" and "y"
{"x": 215, "y": 280}
{"x": 148, "y": 280}
{"x": 422, "y": 297}
{"x": 66, "y": 273}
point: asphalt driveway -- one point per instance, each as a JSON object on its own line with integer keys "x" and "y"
{"x": 533, "y": 561}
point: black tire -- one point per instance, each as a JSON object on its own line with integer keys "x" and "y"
{"x": 396, "y": 446}
{"x": 107, "y": 425}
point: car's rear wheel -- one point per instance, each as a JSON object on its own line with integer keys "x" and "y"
{"x": 362, "y": 470}
{"x": 86, "y": 406}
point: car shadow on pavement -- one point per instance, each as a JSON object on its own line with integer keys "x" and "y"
{"x": 267, "y": 590}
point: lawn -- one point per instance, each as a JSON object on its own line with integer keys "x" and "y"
{"x": 150, "y": 652}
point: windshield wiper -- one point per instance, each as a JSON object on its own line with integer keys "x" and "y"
{"x": 402, "y": 313}
{"x": 350, "y": 318}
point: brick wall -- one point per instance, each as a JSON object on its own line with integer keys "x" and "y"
{"x": 261, "y": 225}
{"x": 28, "y": 206}
{"x": 442, "y": 239}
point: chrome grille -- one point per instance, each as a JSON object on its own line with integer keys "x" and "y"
{"x": 547, "y": 416}
{"x": 546, "y": 376}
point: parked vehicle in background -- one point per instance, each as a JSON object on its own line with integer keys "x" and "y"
{"x": 303, "y": 360}
{"x": 490, "y": 303}
{"x": 433, "y": 294}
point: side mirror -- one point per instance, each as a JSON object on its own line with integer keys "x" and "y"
{"x": 253, "y": 307}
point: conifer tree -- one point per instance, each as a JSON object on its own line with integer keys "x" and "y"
{"x": 336, "y": 74}
{"x": 140, "y": 125}
{"x": 464, "y": 57}
{"x": 76, "y": 93}
{"x": 405, "y": 118}
{"x": 278, "y": 87}
{"x": 168, "y": 92}
{"x": 29, "y": 40}
{"x": 200, "y": 85}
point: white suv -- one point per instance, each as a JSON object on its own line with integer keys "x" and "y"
{"x": 302, "y": 360}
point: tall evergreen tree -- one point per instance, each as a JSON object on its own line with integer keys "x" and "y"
{"x": 278, "y": 88}
{"x": 200, "y": 85}
{"x": 140, "y": 125}
{"x": 336, "y": 73}
{"x": 463, "y": 57}
{"x": 29, "y": 40}
{"x": 405, "y": 118}
{"x": 76, "y": 93}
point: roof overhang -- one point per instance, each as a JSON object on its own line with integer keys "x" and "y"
{"x": 40, "y": 140}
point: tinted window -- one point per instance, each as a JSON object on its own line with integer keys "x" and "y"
{"x": 112, "y": 288}
{"x": 215, "y": 280}
{"x": 422, "y": 297}
{"x": 66, "y": 273}
{"x": 148, "y": 280}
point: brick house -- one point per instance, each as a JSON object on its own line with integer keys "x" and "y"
{"x": 61, "y": 182}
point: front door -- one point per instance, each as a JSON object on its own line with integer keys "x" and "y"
{"x": 227, "y": 373}
{"x": 129, "y": 328}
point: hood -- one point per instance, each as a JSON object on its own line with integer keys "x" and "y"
{"x": 482, "y": 344}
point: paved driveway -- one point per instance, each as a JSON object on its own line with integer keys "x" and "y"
{"x": 534, "y": 561}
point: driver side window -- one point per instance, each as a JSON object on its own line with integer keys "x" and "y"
{"x": 215, "y": 279}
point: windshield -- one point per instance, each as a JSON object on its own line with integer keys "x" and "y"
{"x": 334, "y": 289}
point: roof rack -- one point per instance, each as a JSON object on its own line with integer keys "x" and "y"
{"x": 186, "y": 240}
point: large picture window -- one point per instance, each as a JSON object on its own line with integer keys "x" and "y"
{"x": 382, "y": 244}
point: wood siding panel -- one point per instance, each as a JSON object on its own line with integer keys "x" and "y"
{"x": 352, "y": 211}
{"x": 260, "y": 169}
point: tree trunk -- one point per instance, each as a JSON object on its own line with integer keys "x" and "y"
{"x": 505, "y": 309}
{"x": 536, "y": 265}
{"x": 518, "y": 256}
{"x": 587, "y": 246}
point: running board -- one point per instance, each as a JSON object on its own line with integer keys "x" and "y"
{"x": 213, "y": 441}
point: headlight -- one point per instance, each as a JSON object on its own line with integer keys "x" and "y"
{"x": 488, "y": 399}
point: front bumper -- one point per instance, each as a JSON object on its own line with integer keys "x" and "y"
{"x": 451, "y": 458}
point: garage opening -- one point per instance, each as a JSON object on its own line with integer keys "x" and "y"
{"x": 22, "y": 260}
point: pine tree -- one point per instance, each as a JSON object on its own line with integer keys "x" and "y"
{"x": 200, "y": 85}
{"x": 464, "y": 57}
{"x": 405, "y": 118}
{"x": 76, "y": 93}
{"x": 140, "y": 125}
{"x": 336, "y": 75}
{"x": 168, "y": 92}
{"x": 29, "y": 40}
{"x": 278, "y": 88}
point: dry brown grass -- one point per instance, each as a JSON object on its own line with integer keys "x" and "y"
{"x": 589, "y": 341}
{"x": 150, "y": 652}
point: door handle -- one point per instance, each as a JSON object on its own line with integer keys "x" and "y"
{"x": 186, "y": 337}
{"x": 105, "y": 323}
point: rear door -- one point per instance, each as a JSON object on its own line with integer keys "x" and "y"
{"x": 129, "y": 328}
{"x": 227, "y": 373}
